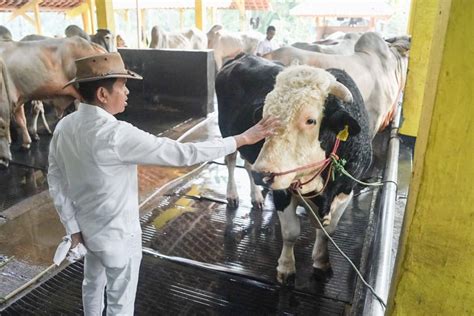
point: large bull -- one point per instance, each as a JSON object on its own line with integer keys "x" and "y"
{"x": 227, "y": 45}
{"x": 315, "y": 105}
{"x": 378, "y": 69}
{"x": 38, "y": 70}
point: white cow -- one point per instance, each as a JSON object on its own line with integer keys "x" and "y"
{"x": 377, "y": 67}
{"x": 227, "y": 45}
{"x": 38, "y": 70}
{"x": 192, "y": 38}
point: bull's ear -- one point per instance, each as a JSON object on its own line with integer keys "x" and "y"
{"x": 339, "y": 119}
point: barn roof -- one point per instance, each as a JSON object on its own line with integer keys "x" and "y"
{"x": 8, "y": 5}
{"x": 58, "y": 5}
{"x": 343, "y": 8}
{"x": 189, "y": 4}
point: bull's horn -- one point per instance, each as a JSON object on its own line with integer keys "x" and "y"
{"x": 340, "y": 91}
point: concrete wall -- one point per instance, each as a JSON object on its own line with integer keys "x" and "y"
{"x": 435, "y": 274}
{"x": 183, "y": 80}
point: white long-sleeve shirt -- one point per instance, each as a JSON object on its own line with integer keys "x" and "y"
{"x": 266, "y": 46}
{"x": 92, "y": 172}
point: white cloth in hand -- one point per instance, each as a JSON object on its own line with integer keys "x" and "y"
{"x": 64, "y": 252}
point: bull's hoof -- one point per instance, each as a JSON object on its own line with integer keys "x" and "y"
{"x": 286, "y": 279}
{"x": 257, "y": 205}
{"x": 4, "y": 163}
{"x": 25, "y": 147}
{"x": 232, "y": 204}
{"x": 322, "y": 275}
{"x": 35, "y": 137}
{"x": 327, "y": 220}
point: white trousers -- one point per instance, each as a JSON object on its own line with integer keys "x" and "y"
{"x": 120, "y": 282}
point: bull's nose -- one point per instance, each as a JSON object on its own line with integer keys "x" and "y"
{"x": 262, "y": 178}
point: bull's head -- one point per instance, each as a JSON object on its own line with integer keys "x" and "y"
{"x": 6, "y": 104}
{"x": 299, "y": 101}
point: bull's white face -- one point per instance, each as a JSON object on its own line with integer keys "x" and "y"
{"x": 298, "y": 101}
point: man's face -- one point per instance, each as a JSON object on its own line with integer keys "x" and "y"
{"x": 117, "y": 98}
{"x": 270, "y": 34}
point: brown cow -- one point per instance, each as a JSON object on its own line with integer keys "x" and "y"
{"x": 38, "y": 70}
{"x": 378, "y": 68}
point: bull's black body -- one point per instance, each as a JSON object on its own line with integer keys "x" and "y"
{"x": 241, "y": 88}
{"x": 357, "y": 150}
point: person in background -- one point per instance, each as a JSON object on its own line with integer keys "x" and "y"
{"x": 93, "y": 180}
{"x": 120, "y": 42}
{"x": 267, "y": 45}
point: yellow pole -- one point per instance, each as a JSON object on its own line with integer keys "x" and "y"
{"x": 37, "y": 19}
{"x": 425, "y": 13}
{"x": 105, "y": 15}
{"x": 86, "y": 22}
{"x": 92, "y": 15}
{"x": 242, "y": 18}
{"x": 181, "y": 18}
{"x": 435, "y": 273}
{"x": 199, "y": 13}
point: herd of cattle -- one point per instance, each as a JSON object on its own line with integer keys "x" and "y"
{"x": 350, "y": 84}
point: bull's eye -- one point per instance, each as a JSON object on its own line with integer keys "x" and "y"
{"x": 311, "y": 122}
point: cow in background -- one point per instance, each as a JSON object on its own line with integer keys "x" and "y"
{"x": 7, "y": 97}
{"x": 192, "y": 38}
{"x": 378, "y": 68}
{"x": 343, "y": 46}
{"x": 227, "y": 45}
{"x": 103, "y": 37}
{"x": 5, "y": 34}
{"x": 38, "y": 70}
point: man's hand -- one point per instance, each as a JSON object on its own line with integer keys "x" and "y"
{"x": 76, "y": 239}
{"x": 266, "y": 127}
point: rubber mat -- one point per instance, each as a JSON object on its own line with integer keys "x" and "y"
{"x": 168, "y": 288}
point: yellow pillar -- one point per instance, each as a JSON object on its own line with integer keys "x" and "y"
{"x": 242, "y": 18}
{"x": 86, "y": 22}
{"x": 92, "y": 15}
{"x": 105, "y": 15}
{"x": 435, "y": 273}
{"x": 37, "y": 19}
{"x": 199, "y": 13}
{"x": 423, "y": 17}
{"x": 181, "y": 18}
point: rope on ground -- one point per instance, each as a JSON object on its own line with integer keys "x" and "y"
{"x": 379, "y": 299}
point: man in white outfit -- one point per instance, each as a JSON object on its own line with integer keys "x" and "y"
{"x": 267, "y": 45}
{"x": 92, "y": 179}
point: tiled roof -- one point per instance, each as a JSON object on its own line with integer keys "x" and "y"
{"x": 45, "y": 4}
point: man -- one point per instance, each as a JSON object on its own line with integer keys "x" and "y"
{"x": 266, "y": 46}
{"x": 92, "y": 178}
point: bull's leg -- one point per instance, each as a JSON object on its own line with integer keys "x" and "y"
{"x": 33, "y": 126}
{"x": 21, "y": 121}
{"x": 320, "y": 250}
{"x": 290, "y": 230}
{"x": 232, "y": 194}
{"x": 43, "y": 119}
{"x": 255, "y": 193}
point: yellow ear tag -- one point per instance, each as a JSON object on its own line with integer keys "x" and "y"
{"x": 343, "y": 134}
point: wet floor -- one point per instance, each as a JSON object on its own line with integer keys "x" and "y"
{"x": 244, "y": 243}
{"x": 30, "y": 229}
